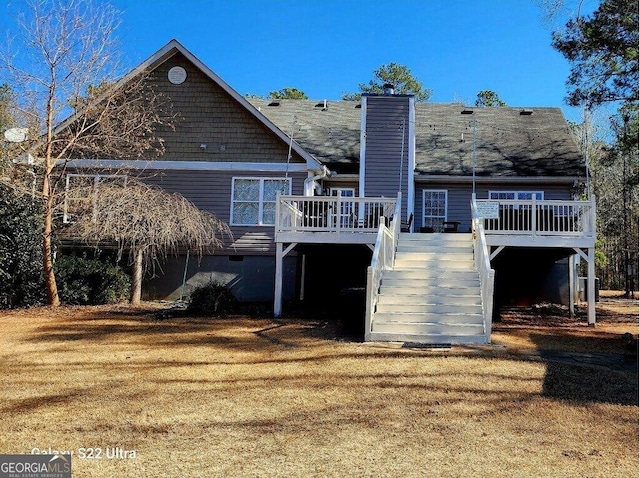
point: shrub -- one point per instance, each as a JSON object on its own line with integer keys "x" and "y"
{"x": 212, "y": 299}
{"x": 21, "y": 278}
{"x": 84, "y": 281}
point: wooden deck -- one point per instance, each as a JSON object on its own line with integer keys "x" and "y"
{"x": 504, "y": 223}
{"x": 523, "y": 223}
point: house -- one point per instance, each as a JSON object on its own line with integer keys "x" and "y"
{"x": 323, "y": 196}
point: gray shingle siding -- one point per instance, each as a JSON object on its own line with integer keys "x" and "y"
{"x": 208, "y": 114}
{"x": 211, "y": 191}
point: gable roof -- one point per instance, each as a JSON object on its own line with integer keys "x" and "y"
{"x": 509, "y": 142}
{"x": 174, "y": 47}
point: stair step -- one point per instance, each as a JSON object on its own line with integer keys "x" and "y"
{"x": 433, "y": 281}
{"x": 418, "y": 237}
{"x": 426, "y": 338}
{"x": 407, "y": 249}
{"x": 417, "y": 287}
{"x": 421, "y": 299}
{"x": 434, "y": 256}
{"x": 450, "y": 318}
{"x": 456, "y": 297}
{"x": 429, "y": 273}
{"x": 431, "y": 296}
{"x": 427, "y": 308}
{"x": 436, "y": 241}
{"x": 418, "y": 328}
{"x": 443, "y": 264}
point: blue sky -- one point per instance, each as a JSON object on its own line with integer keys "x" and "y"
{"x": 326, "y": 47}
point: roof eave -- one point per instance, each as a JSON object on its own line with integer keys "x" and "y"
{"x": 499, "y": 179}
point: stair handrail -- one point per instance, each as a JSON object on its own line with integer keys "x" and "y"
{"x": 396, "y": 226}
{"x": 483, "y": 266}
{"x": 383, "y": 258}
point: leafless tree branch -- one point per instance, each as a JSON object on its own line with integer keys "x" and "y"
{"x": 146, "y": 220}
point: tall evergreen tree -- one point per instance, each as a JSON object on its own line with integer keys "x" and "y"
{"x": 288, "y": 94}
{"x": 603, "y": 52}
{"x": 394, "y": 74}
{"x": 489, "y": 99}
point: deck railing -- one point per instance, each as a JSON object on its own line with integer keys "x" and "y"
{"x": 538, "y": 218}
{"x": 383, "y": 258}
{"x": 332, "y": 213}
{"x": 483, "y": 265}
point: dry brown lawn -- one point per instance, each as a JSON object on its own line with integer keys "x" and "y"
{"x": 264, "y": 397}
{"x": 549, "y": 327}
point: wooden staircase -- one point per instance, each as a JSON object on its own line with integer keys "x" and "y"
{"x": 432, "y": 295}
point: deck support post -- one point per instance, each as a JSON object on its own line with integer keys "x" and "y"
{"x": 277, "y": 296}
{"x": 303, "y": 273}
{"x": 591, "y": 287}
{"x": 590, "y": 257}
{"x": 572, "y": 286}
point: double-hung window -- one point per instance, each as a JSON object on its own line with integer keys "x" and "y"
{"x": 253, "y": 201}
{"x": 81, "y": 192}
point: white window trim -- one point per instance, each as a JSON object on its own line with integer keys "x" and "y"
{"x": 340, "y": 190}
{"x": 96, "y": 180}
{"x": 446, "y": 203}
{"x": 262, "y": 179}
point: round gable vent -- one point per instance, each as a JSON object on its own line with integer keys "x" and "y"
{"x": 177, "y": 75}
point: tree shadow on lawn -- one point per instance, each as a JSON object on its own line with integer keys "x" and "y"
{"x": 588, "y": 384}
{"x": 153, "y": 327}
{"x": 571, "y": 377}
{"x": 587, "y": 367}
{"x": 583, "y": 363}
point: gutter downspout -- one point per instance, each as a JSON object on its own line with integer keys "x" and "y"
{"x": 308, "y": 182}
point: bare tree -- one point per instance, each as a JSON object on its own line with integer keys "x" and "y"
{"x": 72, "y": 95}
{"x": 147, "y": 223}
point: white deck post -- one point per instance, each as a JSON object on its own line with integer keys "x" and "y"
{"x": 368, "y": 314}
{"x": 277, "y": 298}
{"x": 572, "y": 286}
{"x": 534, "y": 216}
{"x": 591, "y": 287}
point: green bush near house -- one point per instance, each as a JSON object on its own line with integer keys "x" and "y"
{"x": 83, "y": 281}
{"x": 211, "y": 299}
{"x": 21, "y": 278}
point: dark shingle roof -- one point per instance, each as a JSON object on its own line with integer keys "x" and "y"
{"x": 508, "y": 143}
{"x": 332, "y": 135}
